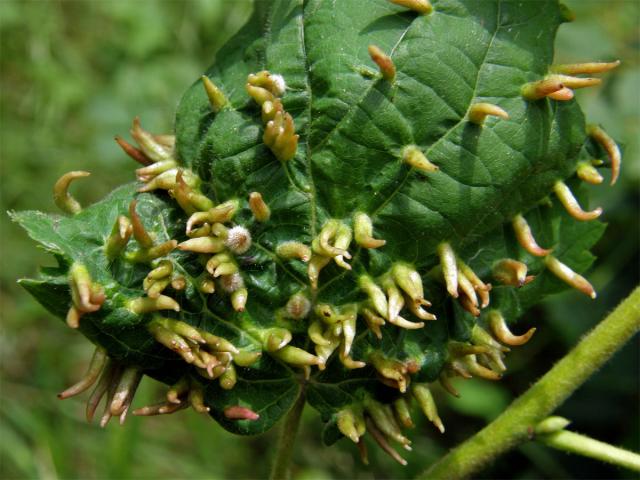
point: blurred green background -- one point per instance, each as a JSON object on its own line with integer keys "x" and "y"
{"x": 74, "y": 73}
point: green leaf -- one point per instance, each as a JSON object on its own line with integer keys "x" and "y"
{"x": 353, "y": 126}
{"x": 269, "y": 390}
{"x": 81, "y": 239}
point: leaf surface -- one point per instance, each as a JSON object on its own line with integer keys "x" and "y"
{"x": 353, "y": 126}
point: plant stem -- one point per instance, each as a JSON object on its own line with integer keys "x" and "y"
{"x": 515, "y": 424}
{"x": 281, "y": 469}
{"x": 582, "y": 445}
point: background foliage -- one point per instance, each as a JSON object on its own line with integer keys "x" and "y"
{"x": 74, "y": 73}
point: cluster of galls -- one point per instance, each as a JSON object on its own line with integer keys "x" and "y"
{"x": 213, "y": 357}
{"x": 481, "y": 357}
{"x": 217, "y": 241}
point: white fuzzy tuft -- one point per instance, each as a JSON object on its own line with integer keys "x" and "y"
{"x": 298, "y": 307}
{"x": 231, "y": 283}
{"x": 238, "y": 239}
{"x": 279, "y": 83}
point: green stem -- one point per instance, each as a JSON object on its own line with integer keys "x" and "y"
{"x": 281, "y": 469}
{"x": 582, "y": 445}
{"x": 515, "y": 424}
